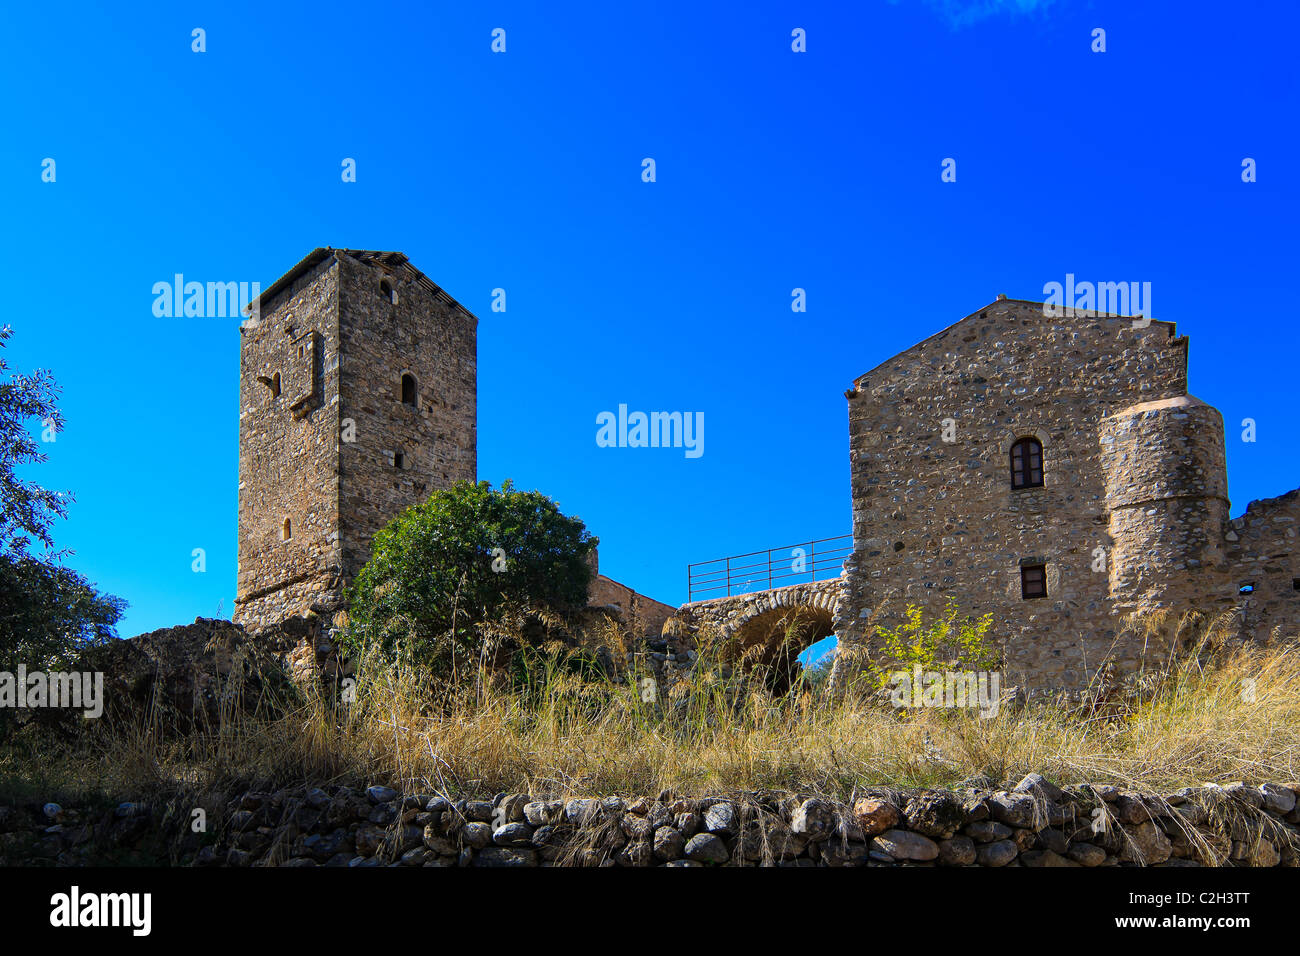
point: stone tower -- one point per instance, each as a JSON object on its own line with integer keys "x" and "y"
{"x": 357, "y": 399}
{"x": 1167, "y": 502}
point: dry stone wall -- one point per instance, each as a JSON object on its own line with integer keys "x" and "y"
{"x": 1033, "y": 824}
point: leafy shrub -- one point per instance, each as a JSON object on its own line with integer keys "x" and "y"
{"x": 445, "y": 575}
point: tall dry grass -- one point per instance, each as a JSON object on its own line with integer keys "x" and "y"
{"x": 1233, "y": 716}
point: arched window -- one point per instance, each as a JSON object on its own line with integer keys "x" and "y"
{"x": 1027, "y": 464}
{"x": 286, "y": 530}
{"x": 408, "y": 390}
{"x": 387, "y": 291}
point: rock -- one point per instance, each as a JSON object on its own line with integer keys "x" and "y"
{"x": 476, "y": 835}
{"x": 513, "y": 834}
{"x": 1045, "y": 858}
{"x": 1053, "y": 840}
{"x": 636, "y": 827}
{"x": 417, "y": 856}
{"x": 379, "y": 794}
{"x": 935, "y": 814}
{"x": 1131, "y": 809}
{"x": 875, "y": 816}
{"x": 905, "y": 845}
{"x": 838, "y": 853}
{"x": 582, "y": 812}
{"x": 957, "y": 851}
{"x": 480, "y": 811}
{"x": 635, "y": 854}
{"x": 1247, "y": 795}
{"x": 707, "y": 848}
{"x": 368, "y": 839}
{"x": 323, "y": 846}
{"x": 770, "y": 837}
{"x": 986, "y": 831}
{"x": 299, "y": 861}
{"x": 669, "y": 844}
{"x": 505, "y": 857}
{"x": 540, "y": 813}
{"x": 1277, "y": 799}
{"x": 52, "y": 811}
{"x": 1146, "y": 844}
{"x": 814, "y": 819}
{"x": 721, "y": 818}
{"x": 999, "y": 853}
{"x": 1086, "y": 854}
{"x": 1013, "y": 809}
{"x": 317, "y": 798}
{"x": 688, "y": 823}
{"x": 1035, "y": 783}
{"x": 384, "y": 814}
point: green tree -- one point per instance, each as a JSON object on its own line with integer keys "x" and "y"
{"x": 445, "y": 574}
{"x": 47, "y": 612}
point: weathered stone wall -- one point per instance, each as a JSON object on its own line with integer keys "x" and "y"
{"x": 1033, "y": 824}
{"x": 288, "y": 453}
{"x": 431, "y": 337}
{"x": 1261, "y": 550}
{"x": 1131, "y": 515}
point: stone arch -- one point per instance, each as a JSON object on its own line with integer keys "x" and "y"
{"x": 772, "y": 628}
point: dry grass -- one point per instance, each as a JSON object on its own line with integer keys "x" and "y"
{"x": 1237, "y": 717}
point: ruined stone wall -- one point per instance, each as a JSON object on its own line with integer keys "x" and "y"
{"x": 1261, "y": 547}
{"x": 435, "y": 340}
{"x": 934, "y": 520}
{"x": 288, "y": 453}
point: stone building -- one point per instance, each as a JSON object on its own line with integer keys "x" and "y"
{"x": 1055, "y": 472}
{"x": 357, "y": 399}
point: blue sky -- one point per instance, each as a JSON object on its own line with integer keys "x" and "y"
{"x": 775, "y": 170}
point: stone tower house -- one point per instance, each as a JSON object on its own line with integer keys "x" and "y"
{"x": 1056, "y": 473}
{"x": 357, "y": 399}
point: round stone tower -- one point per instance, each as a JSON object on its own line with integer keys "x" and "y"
{"x": 1167, "y": 502}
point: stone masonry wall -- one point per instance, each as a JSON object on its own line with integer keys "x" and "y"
{"x": 422, "y": 334}
{"x": 1033, "y": 824}
{"x": 288, "y": 453}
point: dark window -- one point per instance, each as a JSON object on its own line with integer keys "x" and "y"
{"x": 399, "y": 461}
{"x": 1027, "y": 464}
{"x": 1033, "y": 581}
{"x": 408, "y": 390}
{"x": 386, "y": 290}
{"x": 1295, "y": 584}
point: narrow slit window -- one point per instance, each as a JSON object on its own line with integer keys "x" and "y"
{"x": 1033, "y": 581}
{"x": 286, "y": 530}
{"x": 1027, "y": 464}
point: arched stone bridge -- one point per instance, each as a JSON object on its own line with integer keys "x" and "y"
{"x": 753, "y": 627}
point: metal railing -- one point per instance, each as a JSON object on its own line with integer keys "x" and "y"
{"x": 800, "y": 563}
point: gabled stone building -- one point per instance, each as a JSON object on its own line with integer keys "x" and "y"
{"x": 1055, "y": 472}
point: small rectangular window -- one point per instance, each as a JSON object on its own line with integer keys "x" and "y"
{"x": 1033, "y": 581}
{"x": 399, "y": 460}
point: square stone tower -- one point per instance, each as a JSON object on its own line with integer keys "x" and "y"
{"x": 357, "y": 399}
